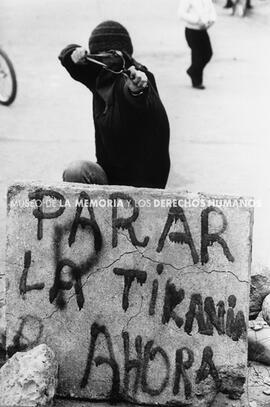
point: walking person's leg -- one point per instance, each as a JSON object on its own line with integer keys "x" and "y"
{"x": 85, "y": 172}
{"x": 188, "y": 36}
{"x": 229, "y": 4}
{"x": 206, "y": 51}
{"x": 193, "y": 38}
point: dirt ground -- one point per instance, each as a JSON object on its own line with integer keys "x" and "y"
{"x": 219, "y": 137}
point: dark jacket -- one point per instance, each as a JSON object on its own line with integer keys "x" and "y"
{"x": 131, "y": 132}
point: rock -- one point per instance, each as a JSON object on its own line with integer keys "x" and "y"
{"x": 257, "y": 327}
{"x": 259, "y": 289}
{"x": 2, "y": 348}
{"x": 266, "y": 391}
{"x": 259, "y": 345}
{"x": 29, "y": 378}
{"x": 233, "y": 382}
{"x": 222, "y": 401}
{"x": 267, "y": 381}
{"x": 266, "y": 309}
{"x": 142, "y": 294}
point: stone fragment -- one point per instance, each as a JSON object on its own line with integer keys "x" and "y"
{"x": 2, "y": 348}
{"x": 267, "y": 381}
{"x": 29, "y": 378}
{"x": 233, "y": 382}
{"x": 266, "y": 391}
{"x": 259, "y": 289}
{"x": 258, "y": 323}
{"x": 257, "y": 327}
{"x": 142, "y": 294}
{"x": 259, "y": 345}
{"x": 266, "y": 309}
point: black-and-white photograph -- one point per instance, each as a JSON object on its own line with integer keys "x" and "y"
{"x": 135, "y": 262}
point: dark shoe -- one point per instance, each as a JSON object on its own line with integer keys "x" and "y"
{"x": 198, "y": 87}
{"x": 229, "y": 4}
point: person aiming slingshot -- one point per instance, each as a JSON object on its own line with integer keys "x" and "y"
{"x": 131, "y": 125}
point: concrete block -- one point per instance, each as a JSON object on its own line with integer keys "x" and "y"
{"x": 142, "y": 294}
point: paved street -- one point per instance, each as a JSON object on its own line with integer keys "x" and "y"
{"x": 219, "y": 137}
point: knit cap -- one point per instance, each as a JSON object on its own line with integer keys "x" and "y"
{"x": 110, "y": 35}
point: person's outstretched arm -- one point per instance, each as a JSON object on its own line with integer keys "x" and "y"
{"x": 80, "y": 69}
{"x": 140, "y": 90}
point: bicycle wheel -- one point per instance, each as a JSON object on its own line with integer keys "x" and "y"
{"x": 8, "y": 82}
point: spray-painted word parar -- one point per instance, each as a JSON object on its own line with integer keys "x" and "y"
{"x": 175, "y": 214}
